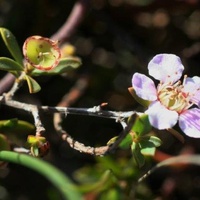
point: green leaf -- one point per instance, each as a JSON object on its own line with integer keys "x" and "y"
{"x": 33, "y": 86}
{"x": 155, "y": 140}
{"x": 34, "y": 151}
{"x": 51, "y": 173}
{"x": 126, "y": 142}
{"x": 137, "y": 155}
{"x": 12, "y": 45}
{"x": 141, "y": 125}
{"x": 65, "y": 65}
{"x": 148, "y": 145}
{"x": 16, "y": 126}
{"x": 141, "y": 101}
{"x": 147, "y": 148}
{"x": 8, "y": 64}
{"x": 112, "y": 140}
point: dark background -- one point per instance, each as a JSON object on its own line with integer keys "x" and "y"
{"x": 115, "y": 39}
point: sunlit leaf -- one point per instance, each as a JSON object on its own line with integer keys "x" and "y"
{"x": 35, "y": 140}
{"x": 33, "y": 86}
{"x": 112, "y": 140}
{"x": 12, "y": 45}
{"x": 141, "y": 125}
{"x": 65, "y": 65}
{"x": 126, "y": 142}
{"x": 155, "y": 140}
{"x": 8, "y": 64}
{"x": 141, "y": 101}
{"x": 147, "y": 148}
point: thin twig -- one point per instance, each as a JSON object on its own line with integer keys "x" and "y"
{"x": 16, "y": 86}
{"x": 95, "y": 111}
{"x": 38, "y": 124}
{"x": 33, "y": 109}
{"x": 97, "y": 151}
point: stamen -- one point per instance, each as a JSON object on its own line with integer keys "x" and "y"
{"x": 184, "y": 79}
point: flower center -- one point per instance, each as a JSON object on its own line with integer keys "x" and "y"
{"x": 171, "y": 95}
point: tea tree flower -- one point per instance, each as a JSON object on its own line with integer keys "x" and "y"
{"x": 171, "y": 100}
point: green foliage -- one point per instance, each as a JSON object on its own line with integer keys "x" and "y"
{"x": 140, "y": 139}
{"x": 8, "y": 64}
{"x": 55, "y": 176}
{"x": 33, "y": 85}
{"x": 65, "y": 65}
{"x": 141, "y": 126}
{"x": 12, "y": 45}
{"x": 104, "y": 183}
{"x": 16, "y": 126}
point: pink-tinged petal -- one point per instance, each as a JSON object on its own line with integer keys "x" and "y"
{"x": 166, "y": 68}
{"x": 192, "y": 87}
{"x": 160, "y": 117}
{"x": 144, "y": 87}
{"x": 189, "y": 122}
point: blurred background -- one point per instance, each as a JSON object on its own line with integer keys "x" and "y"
{"x": 115, "y": 39}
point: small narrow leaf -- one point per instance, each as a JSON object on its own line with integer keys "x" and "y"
{"x": 12, "y": 45}
{"x": 33, "y": 86}
{"x": 8, "y": 64}
{"x": 147, "y": 148}
{"x": 65, "y": 65}
{"x": 155, "y": 140}
{"x": 112, "y": 140}
{"x": 139, "y": 158}
{"x": 141, "y": 101}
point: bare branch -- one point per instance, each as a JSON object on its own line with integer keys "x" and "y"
{"x": 97, "y": 151}
{"x": 6, "y": 83}
{"x": 73, "y": 21}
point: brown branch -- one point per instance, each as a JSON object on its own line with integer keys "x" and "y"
{"x": 73, "y": 21}
{"x": 70, "y": 98}
{"x": 97, "y": 151}
{"x": 6, "y": 83}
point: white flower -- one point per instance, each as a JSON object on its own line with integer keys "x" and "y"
{"x": 171, "y": 100}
